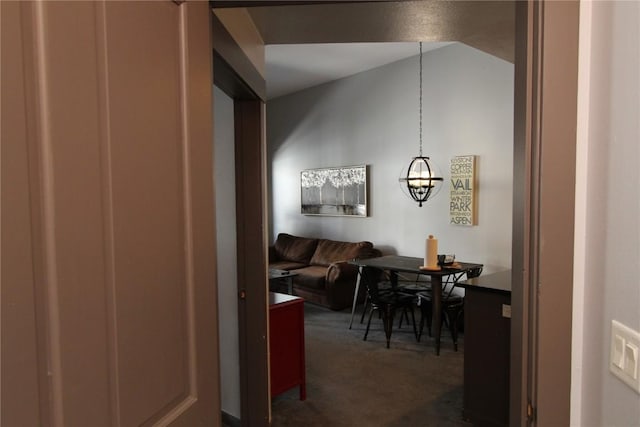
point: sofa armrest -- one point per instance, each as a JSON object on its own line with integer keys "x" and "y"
{"x": 340, "y": 283}
{"x": 339, "y": 271}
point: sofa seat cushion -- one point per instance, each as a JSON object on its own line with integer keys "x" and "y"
{"x": 311, "y": 277}
{"x": 293, "y": 248}
{"x": 285, "y": 265}
{"x": 329, "y": 251}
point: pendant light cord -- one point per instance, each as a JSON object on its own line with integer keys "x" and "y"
{"x": 420, "y": 78}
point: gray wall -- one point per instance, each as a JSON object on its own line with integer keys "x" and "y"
{"x": 372, "y": 118}
{"x": 608, "y": 209}
{"x": 225, "y": 196}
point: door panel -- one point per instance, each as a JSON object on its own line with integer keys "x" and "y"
{"x": 147, "y": 190}
{"x": 118, "y": 134}
{"x": 18, "y": 322}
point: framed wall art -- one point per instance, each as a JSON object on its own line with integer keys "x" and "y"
{"x": 337, "y": 191}
{"x": 462, "y": 191}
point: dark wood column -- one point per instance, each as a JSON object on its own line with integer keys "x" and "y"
{"x": 252, "y": 263}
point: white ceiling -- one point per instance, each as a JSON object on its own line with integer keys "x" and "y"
{"x": 294, "y": 67}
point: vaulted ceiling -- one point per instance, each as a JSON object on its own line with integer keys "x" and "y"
{"x": 312, "y": 42}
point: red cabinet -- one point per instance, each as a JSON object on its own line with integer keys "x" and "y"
{"x": 286, "y": 343}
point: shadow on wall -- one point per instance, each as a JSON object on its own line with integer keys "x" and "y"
{"x": 387, "y": 250}
{"x": 279, "y": 132}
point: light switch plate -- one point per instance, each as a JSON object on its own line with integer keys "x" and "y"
{"x": 506, "y": 311}
{"x": 624, "y": 354}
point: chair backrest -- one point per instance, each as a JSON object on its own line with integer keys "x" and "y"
{"x": 450, "y": 284}
{"x": 474, "y": 272}
{"x": 371, "y": 277}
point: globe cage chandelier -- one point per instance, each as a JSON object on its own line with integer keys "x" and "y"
{"x": 421, "y": 180}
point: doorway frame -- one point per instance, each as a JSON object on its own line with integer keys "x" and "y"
{"x": 545, "y": 112}
{"x": 235, "y": 75}
{"x": 545, "y": 123}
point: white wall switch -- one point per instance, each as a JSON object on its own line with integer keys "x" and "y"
{"x": 631, "y": 360}
{"x": 624, "y": 354}
{"x": 506, "y": 310}
{"x": 617, "y": 352}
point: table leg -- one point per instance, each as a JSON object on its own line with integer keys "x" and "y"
{"x": 436, "y": 315}
{"x": 355, "y": 296}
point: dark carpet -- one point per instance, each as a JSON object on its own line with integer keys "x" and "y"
{"x": 351, "y": 382}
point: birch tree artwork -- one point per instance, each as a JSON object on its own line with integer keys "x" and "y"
{"x": 334, "y": 191}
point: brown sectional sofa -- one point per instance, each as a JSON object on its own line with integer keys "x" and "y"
{"x": 324, "y": 275}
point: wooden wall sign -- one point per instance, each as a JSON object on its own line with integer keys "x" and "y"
{"x": 462, "y": 191}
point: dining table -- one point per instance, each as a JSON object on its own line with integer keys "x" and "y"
{"x": 395, "y": 264}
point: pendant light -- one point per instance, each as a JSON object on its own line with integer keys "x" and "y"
{"x": 421, "y": 179}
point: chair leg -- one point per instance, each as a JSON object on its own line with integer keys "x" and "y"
{"x": 450, "y": 323}
{"x": 387, "y": 319}
{"x": 366, "y": 332}
{"x": 364, "y": 309}
{"x": 454, "y": 335}
{"x": 403, "y": 315}
{"x": 429, "y": 314}
{"x": 454, "y": 327}
{"x": 423, "y": 315}
{"x": 413, "y": 319}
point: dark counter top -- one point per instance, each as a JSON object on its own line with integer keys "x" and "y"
{"x": 495, "y": 282}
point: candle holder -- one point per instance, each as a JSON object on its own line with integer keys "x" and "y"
{"x": 444, "y": 260}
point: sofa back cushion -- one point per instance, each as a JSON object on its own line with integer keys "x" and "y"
{"x": 293, "y": 248}
{"x": 329, "y": 251}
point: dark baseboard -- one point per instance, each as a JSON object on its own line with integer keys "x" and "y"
{"x": 229, "y": 420}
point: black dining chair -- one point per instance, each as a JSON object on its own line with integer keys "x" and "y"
{"x": 452, "y": 304}
{"x": 387, "y": 302}
{"x": 405, "y": 284}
